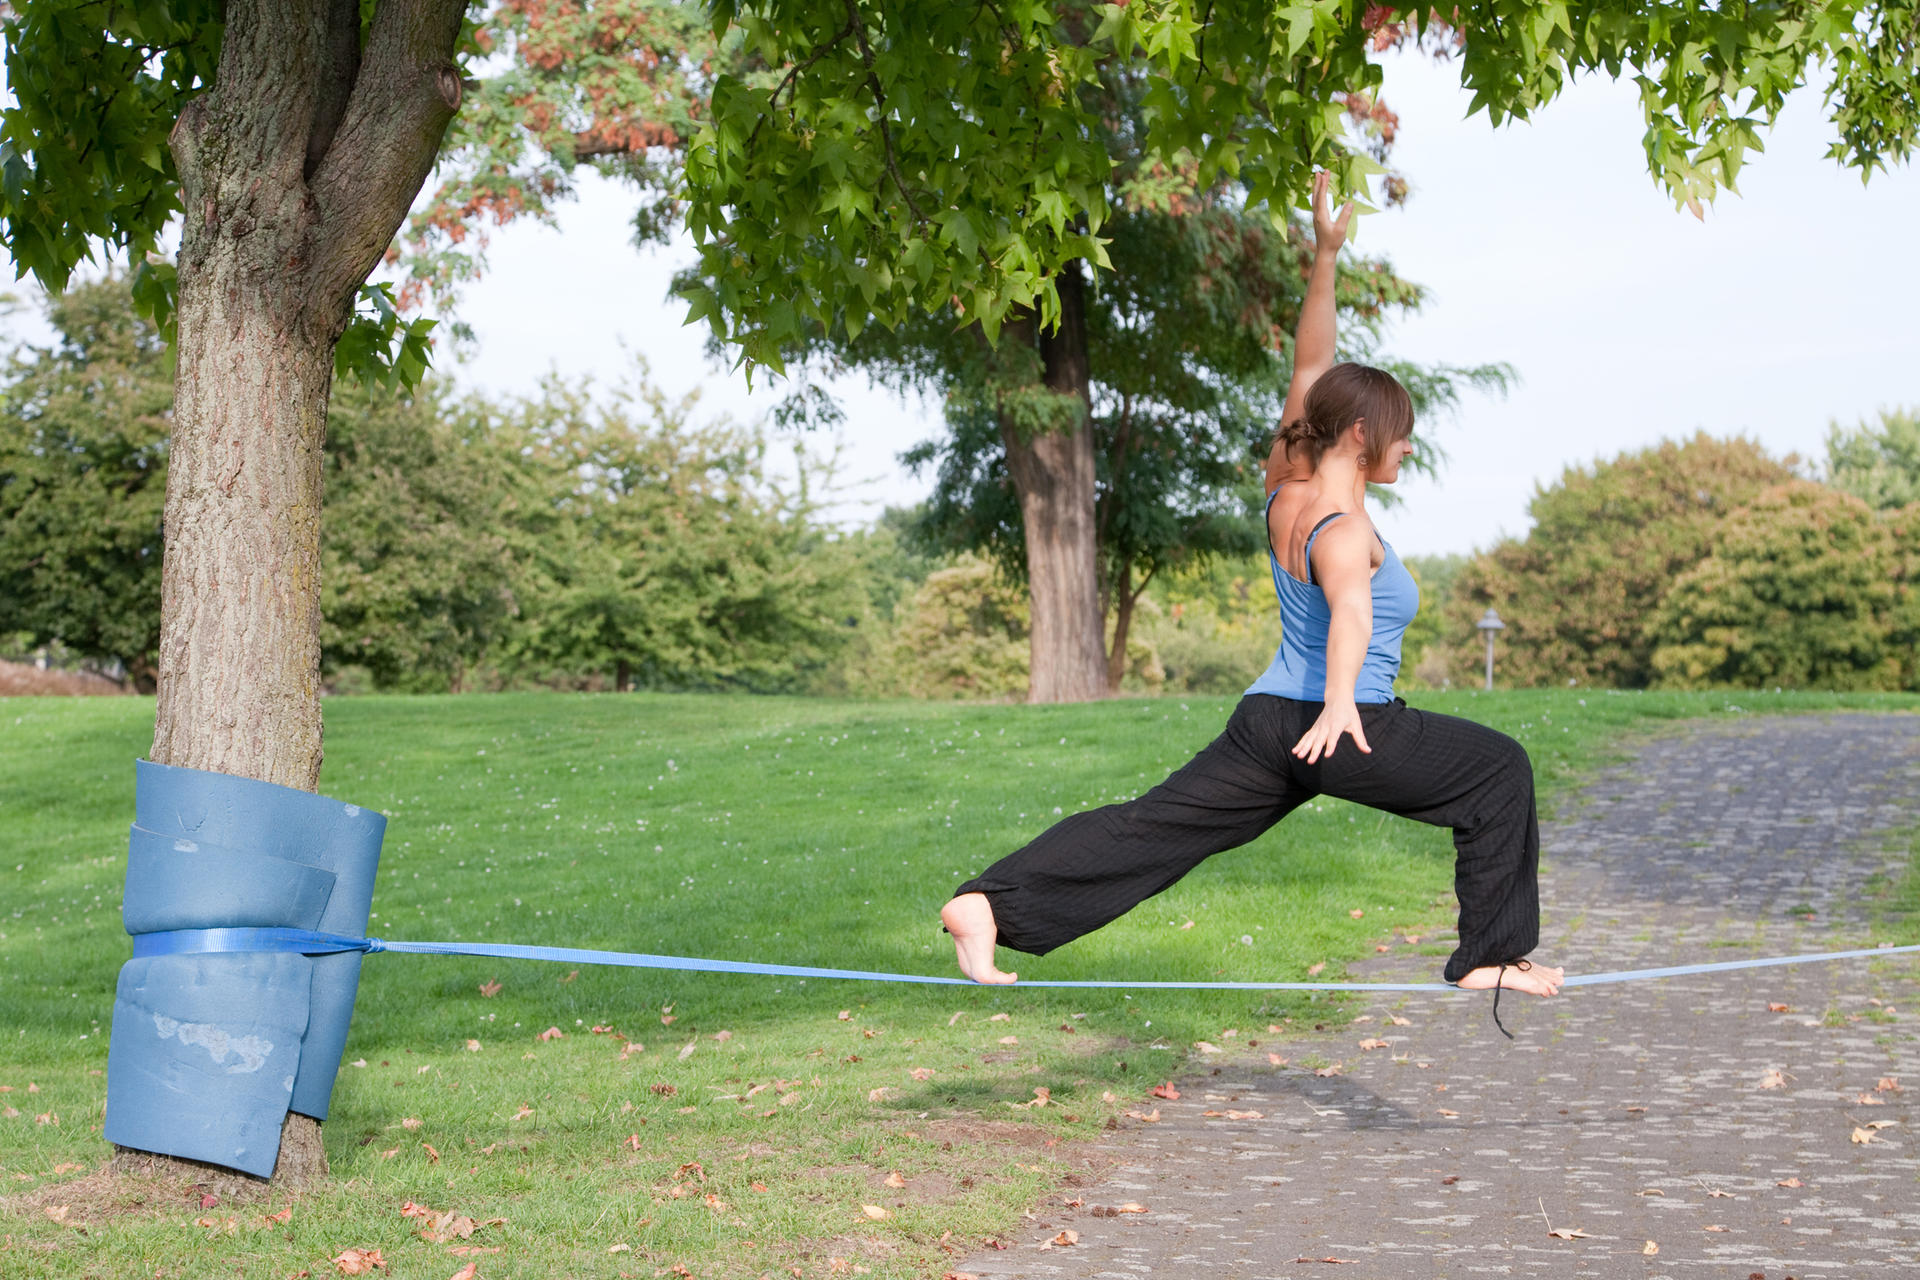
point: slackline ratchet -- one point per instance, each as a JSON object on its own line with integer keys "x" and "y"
{"x": 309, "y": 942}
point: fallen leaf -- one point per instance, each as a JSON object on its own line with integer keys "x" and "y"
{"x": 1009, "y": 1039}
{"x": 1368, "y": 1046}
{"x": 1778, "y": 1008}
{"x": 956, "y": 1017}
{"x": 686, "y": 1050}
{"x": 723, "y": 1036}
{"x": 473, "y": 1046}
{"x": 894, "y": 1180}
{"x": 1145, "y": 1117}
{"x": 875, "y": 1212}
{"x": 1888, "y": 1085}
{"x": 1651, "y": 1191}
{"x": 1715, "y": 1193}
{"x": 756, "y": 1186}
{"x": 1773, "y": 1080}
{"x": 390, "y": 1153}
{"x": 1862, "y": 1136}
{"x": 1450, "y": 1179}
{"x": 1397, "y": 1020}
{"x": 1206, "y": 1047}
{"x": 1274, "y": 1059}
{"x": 1334, "y": 1070}
{"x": 1187, "y": 925}
{"x": 1065, "y": 1240}
{"x": 522, "y": 1113}
{"x": 1651, "y": 1249}
{"x": 875, "y": 1095}
{"x": 433, "y": 1156}
{"x": 633, "y": 1142}
{"x": 1356, "y": 913}
{"x": 359, "y": 1262}
{"x": 921, "y": 1073}
{"x": 552, "y": 1033}
{"x": 410, "y": 1122}
{"x": 1313, "y": 970}
{"x": 1716, "y": 1227}
{"x": 1001, "y": 1017}
{"x": 1789, "y": 1182}
{"x": 1330, "y": 1258}
{"x": 57, "y": 1212}
{"x": 467, "y": 1272}
{"x": 845, "y": 1015}
{"x": 1569, "y": 1233}
{"x": 1166, "y": 1091}
{"x": 489, "y": 989}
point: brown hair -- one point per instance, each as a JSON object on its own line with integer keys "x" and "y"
{"x": 1343, "y": 395}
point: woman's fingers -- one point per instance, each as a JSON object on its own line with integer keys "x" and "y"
{"x": 1360, "y": 736}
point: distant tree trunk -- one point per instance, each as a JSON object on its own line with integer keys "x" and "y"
{"x": 295, "y": 171}
{"x": 1125, "y": 596}
{"x": 1053, "y": 473}
{"x": 622, "y": 676}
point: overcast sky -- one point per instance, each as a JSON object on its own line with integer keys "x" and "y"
{"x": 1545, "y": 245}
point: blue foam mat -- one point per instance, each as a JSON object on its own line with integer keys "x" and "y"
{"x": 210, "y": 1052}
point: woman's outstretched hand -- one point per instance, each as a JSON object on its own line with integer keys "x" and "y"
{"x": 1336, "y": 718}
{"x": 1536, "y": 979}
{"x": 1329, "y": 229}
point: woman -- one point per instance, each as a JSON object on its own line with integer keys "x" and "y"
{"x": 1345, "y": 599}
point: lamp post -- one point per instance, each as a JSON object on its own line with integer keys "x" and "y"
{"x": 1489, "y": 624}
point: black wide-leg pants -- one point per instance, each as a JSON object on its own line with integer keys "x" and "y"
{"x": 1093, "y": 867}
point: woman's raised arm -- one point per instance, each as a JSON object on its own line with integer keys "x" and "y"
{"x": 1313, "y": 341}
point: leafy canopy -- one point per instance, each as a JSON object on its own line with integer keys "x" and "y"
{"x": 921, "y": 157}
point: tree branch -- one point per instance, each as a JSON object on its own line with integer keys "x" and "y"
{"x": 395, "y": 120}
{"x": 793, "y": 74}
{"x": 341, "y": 67}
{"x": 880, "y": 109}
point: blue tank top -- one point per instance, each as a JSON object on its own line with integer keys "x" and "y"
{"x": 1299, "y": 668}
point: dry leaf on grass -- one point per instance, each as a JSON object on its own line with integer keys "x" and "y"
{"x": 875, "y": 1212}
{"x": 1275, "y": 1060}
{"x": 359, "y": 1262}
{"x": 894, "y": 1180}
{"x": 467, "y": 1272}
{"x": 489, "y": 989}
{"x": 1009, "y": 1039}
{"x": 1206, "y": 1047}
{"x": 551, "y": 1033}
{"x": 1001, "y": 1017}
{"x": 1334, "y": 1070}
{"x": 921, "y": 1073}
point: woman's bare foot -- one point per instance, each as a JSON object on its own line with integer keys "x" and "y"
{"x": 1537, "y": 979}
{"x": 969, "y": 918}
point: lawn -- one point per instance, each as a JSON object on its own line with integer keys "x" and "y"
{"x": 629, "y": 1122}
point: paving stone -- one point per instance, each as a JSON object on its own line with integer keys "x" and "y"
{"x": 1634, "y": 1113}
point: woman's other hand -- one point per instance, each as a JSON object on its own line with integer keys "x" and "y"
{"x": 1329, "y": 228}
{"x": 1336, "y": 718}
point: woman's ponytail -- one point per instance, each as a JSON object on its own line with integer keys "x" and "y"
{"x": 1343, "y": 395}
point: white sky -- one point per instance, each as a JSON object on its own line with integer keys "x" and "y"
{"x": 1545, "y": 245}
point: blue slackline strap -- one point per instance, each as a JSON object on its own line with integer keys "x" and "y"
{"x": 308, "y": 942}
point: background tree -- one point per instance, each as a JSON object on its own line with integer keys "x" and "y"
{"x": 83, "y": 466}
{"x": 1878, "y": 463}
{"x": 679, "y": 562}
{"x": 1579, "y": 591}
{"x": 423, "y": 541}
{"x": 1799, "y": 591}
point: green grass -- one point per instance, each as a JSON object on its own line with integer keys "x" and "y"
{"x": 809, "y": 832}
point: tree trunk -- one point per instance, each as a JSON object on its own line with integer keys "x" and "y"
{"x": 296, "y": 169}
{"x": 1053, "y": 474}
{"x": 1124, "y": 597}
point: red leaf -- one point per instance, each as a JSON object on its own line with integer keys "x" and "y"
{"x": 1166, "y": 1091}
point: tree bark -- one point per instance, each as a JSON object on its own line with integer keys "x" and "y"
{"x": 1053, "y": 474}
{"x": 296, "y": 169}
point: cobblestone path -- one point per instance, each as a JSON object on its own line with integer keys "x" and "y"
{"x": 1704, "y": 1126}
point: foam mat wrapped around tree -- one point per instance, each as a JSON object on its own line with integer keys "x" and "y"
{"x": 210, "y": 1051}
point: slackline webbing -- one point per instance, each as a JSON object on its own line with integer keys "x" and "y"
{"x": 310, "y": 942}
